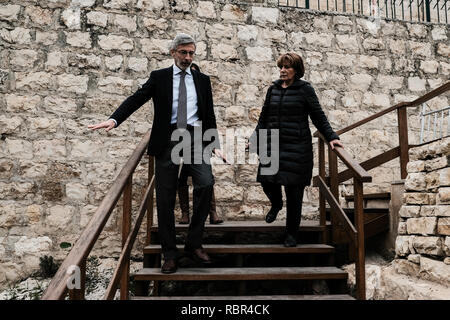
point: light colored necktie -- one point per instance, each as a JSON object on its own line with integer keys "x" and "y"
{"x": 182, "y": 103}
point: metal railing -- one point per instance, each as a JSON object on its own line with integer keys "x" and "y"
{"x": 438, "y": 119}
{"x": 435, "y": 11}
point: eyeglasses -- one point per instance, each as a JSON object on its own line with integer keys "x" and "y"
{"x": 184, "y": 52}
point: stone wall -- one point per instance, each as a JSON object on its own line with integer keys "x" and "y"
{"x": 66, "y": 64}
{"x": 423, "y": 243}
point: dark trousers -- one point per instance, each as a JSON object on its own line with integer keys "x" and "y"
{"x": 166, "y": 175}
{"x": 294, "y": 199}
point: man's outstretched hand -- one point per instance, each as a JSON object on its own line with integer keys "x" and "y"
{"x": 108, "y": 124}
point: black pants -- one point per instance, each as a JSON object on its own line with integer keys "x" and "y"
{"x": 294, "y": 199}
{"x": 166, "y": 175}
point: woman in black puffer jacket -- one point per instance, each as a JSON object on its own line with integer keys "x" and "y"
{"x": 289, "y": 102}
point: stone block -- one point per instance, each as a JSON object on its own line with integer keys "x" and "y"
{"x": 435, "y": 270}
{"x": 97, "y": 18}
{"x": 259, "y": 54}
{"x": 447, "y": 246}
{"x": 125, "y": 22}
{"x": 72, "y": 83}
{"x": 443, "y": 49}
{"x": 9, "y": 12}
{"x": 23, "y": 58}
{"x": 34, "y": 81}
{"x": 439, "y": 33}
{"x": 60, "y": 217}
{"x": 416, "y": 84}
{"x": 424, "y": 226}
{"x": 402, "y": 245}
{"x": 115, "y": 42}
{"x": 444, "y": 195}
{"x": 39, "y": 15}
{"x": 419, "y": 198}
{"x": 205, "y": 9}
{"x": 138, "y": 64}
{"x": 79, "y": 39}
{"x": 420, "y": 49}
{"x": 27, "y": 245}
{"x": 428, "y": 245}
{"x": 443, "y": 227}
{"x": 429, "y": 66}
{"x": 261, "y": 15}
{"x": 71, "y": 17}
{"x": 113, "y": 84}
{"x": 236, "y": 13}
{"x": 18, "y": 35}
{"x": 415, "y": 166}
{"x": 224, "y": 52}
{"x": 409, "y": 211}
{"x": 416, "y": 182}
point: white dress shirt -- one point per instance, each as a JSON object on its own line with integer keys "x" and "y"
{"x": 191, "y": 93}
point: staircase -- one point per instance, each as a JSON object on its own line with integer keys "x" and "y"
{"x": 260, "y": 269}
{"x": 248, "y": 254}
{"x": 376, "y": 215}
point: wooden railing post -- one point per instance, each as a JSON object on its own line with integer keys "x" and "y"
{"x": 360, "y": 268}
{"x": 151, "y": 172}
{"x": 403, "y": 140}
{"x": 334, "y": 188}
{"x": 126, "y": 227}
{"x": 322, "y": 173}
{"x": 78, "y": 294}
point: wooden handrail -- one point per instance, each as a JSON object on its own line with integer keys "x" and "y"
{"x": 58, "y": 286}
{"x": 359, "y": 172}
{"x": 125, "y": 254}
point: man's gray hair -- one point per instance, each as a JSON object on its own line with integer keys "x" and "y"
{"x": 181, "y": 38}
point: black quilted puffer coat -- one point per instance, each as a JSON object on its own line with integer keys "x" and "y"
{"x": 287, "y": 109}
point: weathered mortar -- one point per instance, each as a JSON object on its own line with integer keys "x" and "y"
{"x": 66, "y": 64}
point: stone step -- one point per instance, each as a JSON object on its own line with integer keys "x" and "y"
{"x": 253, "y": 226}
{"x": 259, "y": 273}
{"x": 252, "y": 248}
{"x": 259, "y": 297}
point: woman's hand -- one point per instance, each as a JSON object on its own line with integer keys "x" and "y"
{"x": 336, "y": 142}
{"x": 108, "y": 124}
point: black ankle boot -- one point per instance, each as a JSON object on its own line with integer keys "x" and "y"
{"x": 272, "y": 214}
{"x": 290, "y": 241}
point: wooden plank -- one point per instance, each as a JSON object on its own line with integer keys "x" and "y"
{"x": 208, "y": 274}
{"x": 273, "y": 297}
{"x": 403, "y": 140}
{"x": 252, "y": 226}
{"x": 377, "y": 196}
{"x": 252, "y": 248}
{"x": 360, "y": 265}
{"x": 366, "y": 210}
{"x": 126, "y": 227}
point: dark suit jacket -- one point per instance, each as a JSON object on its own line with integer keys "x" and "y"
{"x": 160, "y": 87}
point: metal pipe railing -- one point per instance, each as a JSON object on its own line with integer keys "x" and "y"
{"x": 435, "y": 11}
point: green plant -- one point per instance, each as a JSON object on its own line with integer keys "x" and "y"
{"x": 48, "y": 267}
{"x": 93, "y": 277}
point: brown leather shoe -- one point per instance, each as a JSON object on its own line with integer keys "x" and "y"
{"x": 201, "y": 256}
{"x": 169, "y": 266}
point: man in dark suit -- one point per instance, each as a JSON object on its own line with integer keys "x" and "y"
{"x": 182, "y": 101}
